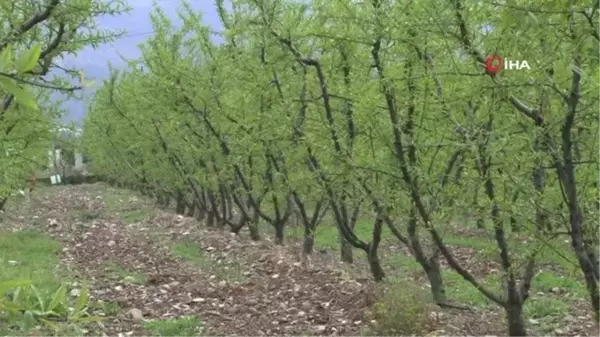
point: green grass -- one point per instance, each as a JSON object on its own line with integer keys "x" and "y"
{"x": 460, "y": 291}
{"x": 484, "y": 246}
{"x": 327, "y": 235}
{"x": 181, "y": 326}
{"x": 191, "y": 253}
{"x": 108, "y": 308}
{"x": 564, "y": 273}
{"x": 29, "y": 254}
{"x": 457, "y": 289}
{"x": 545, "y": 282}
{"x": 135, "y": 216}
{"x": 545, "y": 307}
{"x": 127, "y": 276}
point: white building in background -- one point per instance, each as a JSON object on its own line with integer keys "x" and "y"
{"x": 56, "y": 160}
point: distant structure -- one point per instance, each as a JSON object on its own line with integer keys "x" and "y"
{"x": 64, "y": 158}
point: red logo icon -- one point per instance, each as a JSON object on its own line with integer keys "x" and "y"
{"x": 493, "y": 63}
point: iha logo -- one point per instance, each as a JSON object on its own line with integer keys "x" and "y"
{"x": 494, "y": 63}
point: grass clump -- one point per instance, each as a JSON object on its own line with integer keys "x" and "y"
{"x": 35, "y": 297}
{"x": 402, "y": 309}
{"x": 180, "y": 326}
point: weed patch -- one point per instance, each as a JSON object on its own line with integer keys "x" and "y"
{"x": 135, "y": 216}
{"x": 403, "y": 310}
{"x": 181, "y": 326}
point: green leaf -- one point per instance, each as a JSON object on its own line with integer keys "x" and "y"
{"x": 58, "y": 298}
{"x": 29, "y": 60}
{"x": 6, "y": 58}
{"x": 16, "y": 294}
{"x": 39, "y": 297}
{"x": 10, "y": 284}
{"x": 9, "y": 307}
{"x": 21, "y": 95}
{"x": 81, "y": 302}
{"x": 28, "y": 321}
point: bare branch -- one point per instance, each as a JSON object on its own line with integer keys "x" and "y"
{"x": 30, "y": 23}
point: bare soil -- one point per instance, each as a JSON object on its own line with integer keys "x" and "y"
{"x": 242, "y": 287}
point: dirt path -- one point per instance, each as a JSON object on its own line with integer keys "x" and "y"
{"x": 236, "y": 287}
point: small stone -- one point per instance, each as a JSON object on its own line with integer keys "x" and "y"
{"x": 136, "y": 314}
{"x": 187, "y": 299}
{"x": 301, "y": 313}
{"x": 119, "y": 288}
{"x": 111, "y": 243}
{"x": 179, "y": 218}
{"x": 75, "y": 292}
{"x": 556, "y": 290}
{"x": 198, "y": 300}
{"x": 274, "y": 276}
{"x": 222, "y": 284}
{"x": 320, "y": 328}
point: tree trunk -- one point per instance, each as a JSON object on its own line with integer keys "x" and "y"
{"x": 230, "y": 204}
{"x": 253, "y": 226}
{"x": 190, "y": 211}
{"x": 309, "y": 241}
{"x": 180, "y": 204}
{"x": 375, "y": 264}
{"x": 211, "y": 219}
{"x": 166, "y": 201}
{"x": 279, "y": 232}
{"x": 516, "y": 324}
{"x": 236, "y": 228}
{"x": 434, "y": 274}
{"x": 254, "y": 232}
{"x": 513, "y": 225}
{"x": 346, "y": 250}
{"x": 224, "y": 211}
{"x": 513, "y": 222}
{"x": 200, "y": 213}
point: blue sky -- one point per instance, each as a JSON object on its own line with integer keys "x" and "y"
{"x": 139, "y": 28}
